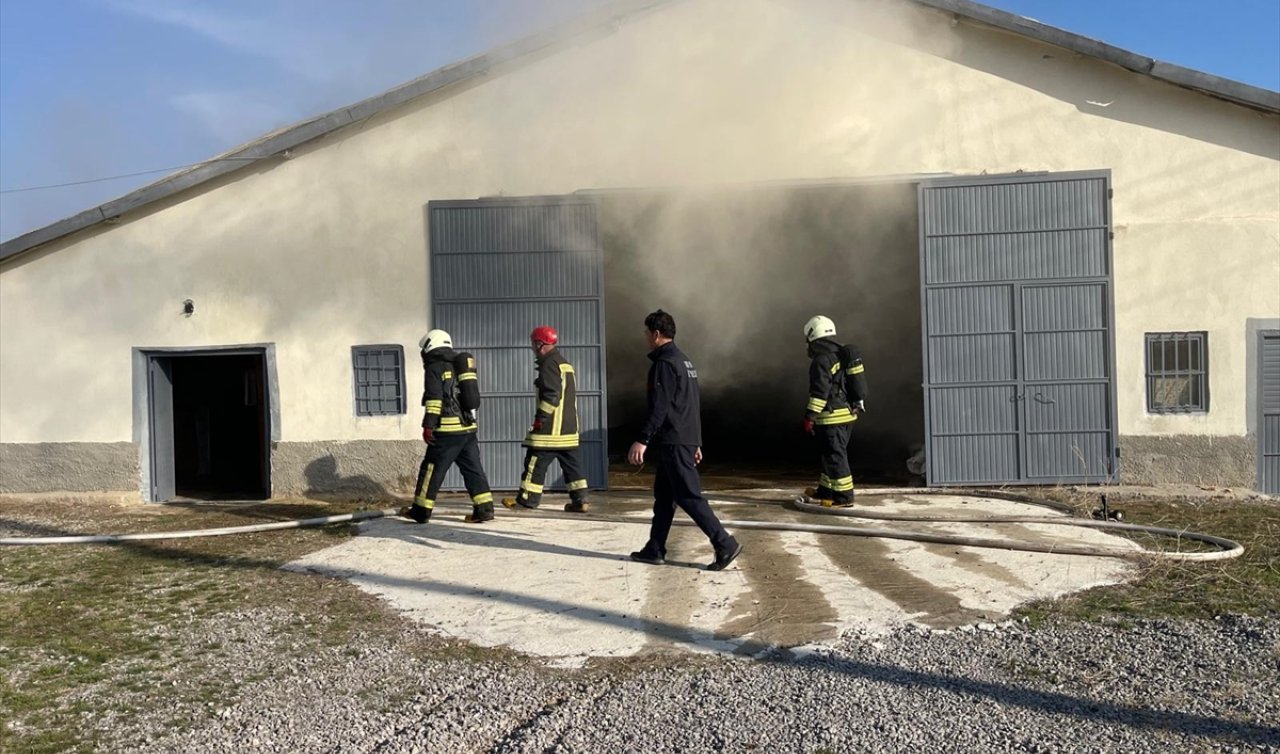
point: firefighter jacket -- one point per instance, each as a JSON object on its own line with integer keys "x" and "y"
{"x": 440, "y": 394}
{"x": 675, "y": 409}
{"x": 557, "y": 388}
{"x": 828, "y": 400}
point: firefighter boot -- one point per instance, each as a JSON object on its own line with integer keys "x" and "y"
{"x": 480, "y": 513}
{"x": 579, "y": 505}
{"x": 419, "y": 513}
{"x": 811, "y": 497}
{"x": 519, "y": 501}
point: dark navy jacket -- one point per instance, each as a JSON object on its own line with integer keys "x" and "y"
{"x": 675, "y": 410}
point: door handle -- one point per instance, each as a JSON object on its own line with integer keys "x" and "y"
{"x": 1046, "y": 401}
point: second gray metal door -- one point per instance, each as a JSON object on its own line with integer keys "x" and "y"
{"x": 1018, "y": 329}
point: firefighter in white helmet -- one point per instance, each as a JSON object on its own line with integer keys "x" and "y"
{"x": 450, "y": 398}
{"x": 837, "y": 395}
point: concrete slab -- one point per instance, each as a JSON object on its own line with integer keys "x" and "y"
{"x": 566, "y": 589}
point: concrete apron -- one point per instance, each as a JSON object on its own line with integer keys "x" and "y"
{"x": 566, "y": 589}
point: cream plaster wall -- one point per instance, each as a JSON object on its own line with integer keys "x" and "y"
{"x": 328, "y": 249}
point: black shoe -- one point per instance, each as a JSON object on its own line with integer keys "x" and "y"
{"x": 418, "y": 513}
{"x": 577, "y": 506}
{"x": 726, "y": 556}
{"x": 646, "y": 555}
{"x": 479, "y": 514}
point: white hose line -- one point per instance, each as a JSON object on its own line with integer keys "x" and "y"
{"x": 1229, "y": 549}
{"x": 106, "y": 539}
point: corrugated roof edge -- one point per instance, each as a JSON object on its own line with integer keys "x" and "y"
{"x": 273, "y": 144}
{"x": 1254, "y": 97}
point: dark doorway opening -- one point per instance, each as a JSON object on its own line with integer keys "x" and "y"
{"x": 210, "y": 425}
{"x": 742, "y": 270}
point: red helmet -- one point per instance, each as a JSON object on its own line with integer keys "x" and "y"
{"x": 544, "y": 334}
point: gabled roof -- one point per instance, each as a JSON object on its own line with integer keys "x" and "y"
{"x": 276, "y": 145}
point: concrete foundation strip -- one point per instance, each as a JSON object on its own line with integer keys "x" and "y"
{"x": 1228, "y": 548}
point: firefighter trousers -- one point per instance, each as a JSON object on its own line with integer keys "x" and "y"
{"x": 677, "y": 484}
{"x": 444, "y": 451}
{"x": 537, "y": 461}
{"x": 836, "y": 481}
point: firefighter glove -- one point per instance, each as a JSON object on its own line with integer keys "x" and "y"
{"x": 537, "y": 424}
{"x": 808, "y": 426}
{"x": 428, "y": 435}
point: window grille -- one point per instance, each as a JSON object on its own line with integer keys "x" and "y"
{"x": 1177, "y": 372}
{"x": 379, "y": 379}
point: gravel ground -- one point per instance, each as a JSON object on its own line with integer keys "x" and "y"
{"x": 1152, "y": 686}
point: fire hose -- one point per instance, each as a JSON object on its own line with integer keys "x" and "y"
{"x": 1226, "y": 548}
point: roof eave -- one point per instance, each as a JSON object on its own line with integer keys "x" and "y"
{"x": 1237, "y": 92}
{"x": 277, "y": 144}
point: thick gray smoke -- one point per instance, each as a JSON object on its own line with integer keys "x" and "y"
{"x": 723, "y": 111}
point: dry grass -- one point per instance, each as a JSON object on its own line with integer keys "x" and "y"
{"x": 93, "y": 633}
{"x": 1249, "y": 584}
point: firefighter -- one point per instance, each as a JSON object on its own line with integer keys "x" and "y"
{"x": 554, "y": 436}
{"x": 837, "y": 394}
{"x": 673, "y": 433}
{"x": 450, "y": 397}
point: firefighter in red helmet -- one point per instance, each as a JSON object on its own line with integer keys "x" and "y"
{"x": 554, "y": 435}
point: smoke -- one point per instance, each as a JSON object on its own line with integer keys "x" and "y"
{"x": 709, "y": 107}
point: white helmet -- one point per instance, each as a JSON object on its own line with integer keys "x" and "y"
{"x": 435, "y": 339}
{"x": 819, "y": 327}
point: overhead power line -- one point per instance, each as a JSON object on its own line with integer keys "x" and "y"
{"x": 125, "y": 175}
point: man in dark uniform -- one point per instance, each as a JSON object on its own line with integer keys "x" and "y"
{"x": 555, "y": 427}
{"x": 673, "y": 429}
{"x": 449, "y": 431}
{"x": 837, "y": 392}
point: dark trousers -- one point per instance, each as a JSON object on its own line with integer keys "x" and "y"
{"x": 443, "y": 452}
{"x": 836, "y": 481}
{"x": 537, "y": 461}
{"x": 677, "y": 484}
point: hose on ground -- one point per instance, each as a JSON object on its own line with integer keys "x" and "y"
{"x": 111, "y": 539}
{"x": 1228, "y": 548}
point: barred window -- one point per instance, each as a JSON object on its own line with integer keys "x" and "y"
{"x": 1177, "y": 372}
{"x": 379, "y": 379}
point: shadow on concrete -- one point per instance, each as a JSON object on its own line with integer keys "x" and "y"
{"x": 1053, "y": 703}
{"x": 483, "y": 536}
{"x": 1065, "y": 705}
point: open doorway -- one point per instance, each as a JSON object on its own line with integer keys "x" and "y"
{"x": 742, "y": 270}
{"x": 209, "y": 425}
{"x": 982, "y": 305}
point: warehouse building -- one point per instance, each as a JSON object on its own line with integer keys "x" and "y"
{"x": 1060, "y": 259}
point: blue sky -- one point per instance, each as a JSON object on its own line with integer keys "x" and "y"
{"x": 95, "y": 88}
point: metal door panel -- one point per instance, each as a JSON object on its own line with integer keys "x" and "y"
{"x": 974, "y": 410}
{"x": 500, "y": 267}
{"x": 1016, "y": 256}
{"x": 160, "y": 392}
{"x": 1017, "y": 302}
{"x": 971, "y": 358}
{"x": 1058, "y": 457}
{"x": 1269, "y": 410}
{"x": 974, "y": 459}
